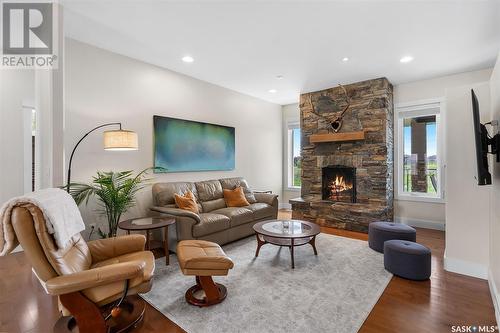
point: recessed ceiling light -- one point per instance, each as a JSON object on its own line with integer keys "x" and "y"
{"x": 406, "y": 59}
{"x": 273, "y": 91}
{"x": 344, "y": 59}
{"x": 279, "y": 77}
{"x": 187, "y": 59}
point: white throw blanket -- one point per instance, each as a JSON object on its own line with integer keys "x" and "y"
{"x": 61, "y": 214}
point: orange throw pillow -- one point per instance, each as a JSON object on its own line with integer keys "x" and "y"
{"x": 235, "y": 198}
{"x": 186, "y": 202}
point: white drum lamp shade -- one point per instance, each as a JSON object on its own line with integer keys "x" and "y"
{"x": 120, "y": 140}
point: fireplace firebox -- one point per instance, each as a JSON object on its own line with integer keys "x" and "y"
{"x": 339, "y": 184}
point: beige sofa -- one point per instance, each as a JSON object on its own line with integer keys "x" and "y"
{"x": 215, "y": 222}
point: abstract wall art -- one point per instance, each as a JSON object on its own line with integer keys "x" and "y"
{"x": 185, "y": 145}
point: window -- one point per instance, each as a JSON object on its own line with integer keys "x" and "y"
{"x": 294, "y": 159}
{"x": 419, "y": 153}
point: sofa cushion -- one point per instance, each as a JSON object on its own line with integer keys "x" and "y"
{"x": 261, "y": 210}
{"x": 211, "y": 205}
{"x": 210, "y": 223}
{"x": 187, "y": 202}
{"x": 235, "y": 198}
{"x": 238, "y": 215}
{"x": 232, "y": 183}
{"x": 209, "y": 190}
{"x": 163, "y": 193}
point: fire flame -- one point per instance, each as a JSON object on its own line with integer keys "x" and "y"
{"x": 339, "y": 185}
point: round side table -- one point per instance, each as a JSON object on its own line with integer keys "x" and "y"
{"x": 148, "y": 224}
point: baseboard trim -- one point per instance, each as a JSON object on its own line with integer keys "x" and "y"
{"x": 465, "y": 267}
{"x": 284, "y": 205}
{"x": 435, "y": 225}
{"x": 494, "y": 295}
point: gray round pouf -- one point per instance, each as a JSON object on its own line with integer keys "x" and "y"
{"x": 407, "y": 259}
{"x": 379, "y": 232}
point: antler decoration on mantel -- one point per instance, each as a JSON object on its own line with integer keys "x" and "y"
{"x": 336, "y": 124}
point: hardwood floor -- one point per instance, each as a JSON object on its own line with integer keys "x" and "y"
{"x": 406, "y": 306}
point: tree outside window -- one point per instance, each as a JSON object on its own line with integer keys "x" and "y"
{"x": 296, "y": 159}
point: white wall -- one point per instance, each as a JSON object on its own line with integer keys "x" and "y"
{"x": 17, "y": 87}
{"x": 494, "y": 232}
{"x": 467, "y": 204}
{"x": 436, "y": 88}
{"x": 291, "y": 114}
{"x": 101, "y": 87}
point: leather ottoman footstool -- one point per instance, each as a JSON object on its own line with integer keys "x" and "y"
{"x": 203, "y": 259}
{"x": 379, "y": 232}
{"x": 407, "y": 259}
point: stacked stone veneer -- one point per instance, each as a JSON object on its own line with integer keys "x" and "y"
{"x": 371, "y": 110}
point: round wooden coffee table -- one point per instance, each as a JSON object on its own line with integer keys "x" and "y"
{"x": 147, "y": 224}
{"x": 289, "y": 233}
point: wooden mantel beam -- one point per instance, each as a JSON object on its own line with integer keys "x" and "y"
{"x": 336, "y": 137}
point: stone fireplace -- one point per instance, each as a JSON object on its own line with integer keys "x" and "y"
{"x": 347, "y": 176}
{"x": 338, "y": 184}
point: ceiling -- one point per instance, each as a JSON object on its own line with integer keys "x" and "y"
{"x": 244, "y": 45}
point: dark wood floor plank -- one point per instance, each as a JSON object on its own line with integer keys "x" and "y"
{"x": 405, "y": 306}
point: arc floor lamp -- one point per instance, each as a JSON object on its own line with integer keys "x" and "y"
{"x": 119, "y": 139}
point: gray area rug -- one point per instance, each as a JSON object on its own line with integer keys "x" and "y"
{"x": 332, "y": 292}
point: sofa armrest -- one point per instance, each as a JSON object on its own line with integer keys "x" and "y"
{"x": 268, "y": 198}
{"x": 94, "y": 277}
{"x": 176, "y": 212}
{"x": 102, "y": 249}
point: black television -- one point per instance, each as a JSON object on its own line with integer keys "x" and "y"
{"x": 482, "y": 143}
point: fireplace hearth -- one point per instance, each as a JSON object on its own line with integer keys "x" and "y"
{"x": 339, "y": 184}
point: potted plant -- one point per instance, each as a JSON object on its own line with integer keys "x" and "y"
{"x": 115, "y": 193}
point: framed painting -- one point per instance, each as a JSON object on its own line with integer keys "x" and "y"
{"x": 184, "y": 145}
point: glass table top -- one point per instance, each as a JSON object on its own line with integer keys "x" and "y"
{"x": 286, "y": 227}
{"x": 144, "y": 221}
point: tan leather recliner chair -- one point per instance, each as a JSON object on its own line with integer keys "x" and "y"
{"x": 91, "y": 278}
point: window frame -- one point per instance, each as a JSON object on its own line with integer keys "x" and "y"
{"x": 417, "y": 109}
{"x": 290, "y": 127}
